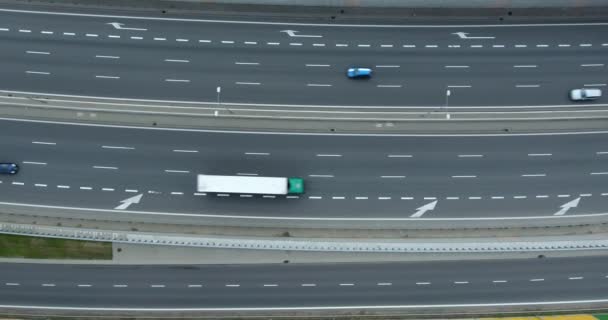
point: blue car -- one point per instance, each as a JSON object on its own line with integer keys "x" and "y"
{"x": 359, "y": 73}
{"x": 9, "y": 168}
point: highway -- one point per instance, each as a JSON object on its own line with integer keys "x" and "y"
{"x": 370, "y": 177}
{"x": 494, "y": 282}
{"x": 291, "y": 64}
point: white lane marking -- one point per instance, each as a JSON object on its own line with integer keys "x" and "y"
{"x": 399, "y": 156}
{"x": 292, "y": 197}
{"x": 247, "y": 63}
{"x": 248, "y": 83}
{"x": 176, "y": 171}
{"x": 160, "y": 39}
{"x": 575, "y": 278}
{"x": 499, "y": 281}
{"x": 525, "y": 66}
{"x": 521, "y": 46}
{"x": 104, "y": 167}
{"x": 328, "y": 155}
{"x": 464, "y": 176}
{"x": 318, "y": 44}
{"x": 318, "y": 85}
{"x": 200, "y": 194}
{"x": 248, "y": 42}
{"x": 388, "y": 66}
{"x": 107, "y": 77}
{"x": 563, "y": 45}
{"x": 119, "y": 285}
{"x": 107, "y": 189}
{"x": 34, "y": 162}
{"x": 25, "y": 30}
{"x": 257, "y": 153}
{"x": 470, "y": 155}
{"x": 534, "y": 175}
{"x": 598, "y": 173}
{"x": 18, "y": 183}
{"x": 308, "y": 285}
{"x": 69, "y": 34}
{"x": 461, "y": 282}
{"x": 585, "y": 195}
{"x": 48, "y": 284}
{"x": 107, "y": 57}
{"x": 452, "y": 198}
{"x": 392, "y": 177}
{"x": 113, "y": 36}
{"x": 384, "y": 198}
{"x": 474, "y": 198}
{"x": 341, "y": 45}
{"x": 477, "y": 46}
{"x": 423, "y": 283}
{"x": 223, "y": 195}
{"x": 270, "y": 285}
{"x": 384, "y": 284}
{"x": 592, "y": 65}
{"x": 498, "y": 46}
{"x": 136, "y": 38}
{"x": 42, "y": 185}
{"x": 177, "y": 60}
{"x": 11, "y": 284}
{"x": 92, "y": 35}
{"x": 195, "y": 286}
{"x": 84, "y": 285}
{"x": 542, "y": 196}
{"x": 38, "y": 72}
{"x": 389, "y": 86}
{"x": 363, "y": 45}
{"x": 431, "y": 46}
{"x": 227, "y": 41}
{"x": 117, "y": 147}
{"x": 230, "y": 285}
{"x": 295, "y": 43}
{"x": 602, "y": 152}
{"x": 461, "y": 67}
{"x": 585, "y": 45}
{"x": 204, "y": 41}
{"x": 537, "y": 280}
{"x": 59, "y": 186}
{"x": 459, "y": 86}
{"x": 542, "y": 45}
{"x": 317, "y": 65}
{"x": 346, "y": 284}
{"x": 47, "y": 32}
{"x": 86, "y": 188}
{"x": 273, "y": 43}
{"x": 361, "y": 198}
{"x": 182, "y": 40}
{"x": 407, "y": 198}
{"x": 185, "y": 151}
{"x": 453, "y": 46}
{"x": 595, "y": 85}
{"x": 430, "y": 198}
{"x": 320, "y": 175}
{"x": 43, "y": 142}
{"x": 539, "y": 154}
{"x": 177, "y": 80}
{"x": 520, "y": 197}
{"x": 175, "y": 193}
{"x": 246, "y": 196}
{"x": 4, "y": 29}
{"x": 527, "y": 85}
{"x": 338, "y": 198}
{"x": 246, "y": 174}
{"x": 38, "y": 52}
{"x": 315, "y": 197}
{"x": 157, "y": 286}
{"x": 498, "y": 197}
{"x": 386, "y": 46}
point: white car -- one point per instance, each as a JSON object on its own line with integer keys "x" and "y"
{"x": 585, "y": 94}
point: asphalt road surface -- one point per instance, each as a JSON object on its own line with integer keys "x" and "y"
{"x": 267, "y": 63}
{"x": 495, "y": 282}
{"x": 345, "y": 176}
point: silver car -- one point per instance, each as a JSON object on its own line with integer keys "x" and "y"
{"x": 585, "y": 94}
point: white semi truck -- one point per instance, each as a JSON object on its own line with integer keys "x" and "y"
{"x": 249, "y": 184}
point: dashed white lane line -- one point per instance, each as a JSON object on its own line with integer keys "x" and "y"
{"x": 37, "y": 72}
{"x": 107, "y": 189}
{"x": 273, "y": 43}
{"x": 598, "y": 173}
{"x": 338, "y": 198}
{"x": 534, "y": 175}
{"x": 230, "y": 285}
{"x": 575, "y": 278}
{"x": 25, "y": 30}
{"x": 247, "y": 63}
{"x": 131, "y": 190}
{"x": 308, "y": 285}
{"x": 539, "y": 154}
{"x": 318, "y": 44}
{"x": 292, "y": 197}
{"x": 476, "y": 46}
{"x": 176, "y": 171}
{"x": 195, "y": 286}
{"x": 464, "y": 176}
{"x": 42, "y": 185}
{"x": 392, "y": 177}
{"x": 542, "y": 45}
{"x": 84, "y": 285}
{"x": 270, "y": 285}
{"x": 585, "y": 45}
{"x": 248, "y": 83}
{"x": 384, "y": 284}
{"x": 295, "y": 44}
{"x": 585, "y": 194}
{"x": 388, "y": 66}
{"x": 594, "y": 85}
{"x": 407, "y": 198}
{"x": 452, "y": 198}
{"x": 592, "y": 65}
{"x": 200, "y": 194}
{"x": 343, "y": 45}
{"x": 4, "y": 29}
{"x": 119, "y": 285}
{"x": 602, "y": 152}
{"x": 118, "y": 147}
{"x": 461, "y": 282}
{"x": 257, "y": 153}
{"x": 389, "y": 86}
{"x": 320, "y": 175}
{"x": 246, "y": 196}
{"x": 315, "y": 197}
{"x": 62, "y": 186}
{"x": 204, "y": 41}
{"x": 86, "y": 188}
{"x": 223, "y": 195}
{"x": 563, "y": 45}
{"x": 498, "y": 46}
{"x": 160, "y": 39}
{"x": 537, "y": 280}
{"x": 456, "y": 67}
{"x": 177, "y": 80}
{"x": 38, "y": 52}
{"x": 137, "y": 38}
{"x": 520, "y": 197}
{"x": 177, "y": 60}
{"x": 34, "y": 162}
{"x": 157, "y": 286}
{"x": 69, "y": 34}
{"x": 363, "y": 45}
{"x": 470, "y": 156}
{"x": 525, "y": 66}
{"x": 104, "y": 167}
{"x": 542, "y": 196}
{"x": 521, "y": 46}
{"x": 317, "y": 65}
{"x": 106, "y": 77}
{"x": 14, "y": 284}
{"x": 17, "y": 183}
{"x": 44, "y": 142}
{"x": 318, "y": 85}
{"x": 47, "y": 32}
{"x": 248, "y": 42}
{"x": 92, "y": 35}
{"x": 328, "y": 155}
{"x": 346, "y": 284}
{"x": 384, "y": 198}
{"x": 185, "y": 151}
{"x": 399, "y": 156}
{"x": 430, "y": 198}
{"x": 527, "y": 85}
{"x": 386, "y": 46}
{"x": 423, "y": 283}
{"x": 499, "y": 281}
{"x": 107, "y": 57}
{"x": 48, "y": 284}
{"x": 431, "y": 46}
{"x": 113, "y": 36}
{"x": 182, "y": 40}
{"x": 361, "y": 198}
{"x": 474, "y": 198}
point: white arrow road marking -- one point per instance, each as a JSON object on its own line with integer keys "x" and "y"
{"x": 129, "y": 201}
{"x": 422, "y": 210}
{"x": 566, "y": 206}
{"x": 464, "y": 35}
{"x": 119, "y": 26}
{"x": 292, "y": 33}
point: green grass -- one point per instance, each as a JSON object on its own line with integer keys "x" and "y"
{"x": 12, "y": 246}
{"x": 601, "y": 316}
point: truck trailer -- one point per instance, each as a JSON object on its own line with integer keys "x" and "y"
{"x": 249, "y": 184}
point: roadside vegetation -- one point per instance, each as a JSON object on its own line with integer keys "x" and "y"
{"x": 12, "y": 246}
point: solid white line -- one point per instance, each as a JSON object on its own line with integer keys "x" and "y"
{"x": 593, "y": 65}
{"x": 117, "y": 147}
{"x": 329, "y": 155}
{"x": 527, "y": 86}
{"x": 257, "y": 153}
{"x": 320, "y": 175}
{"x": 248, "y": 63}
{"x": 177, "y": 60}
{"x": 525, "y": 66}
{"x": 470, "y": 155}
{"x": 176, "y": 171}
{"x": 186, "y": 151}
{"x": 107, "y": 77}
{"x": 34, "y": 162}
{"x": 399, "y": 156}
{"x": 248, "y": 83}
{"x": 318, "y": 85}
{"x": 42, "y": 142}
{"x": 392, "y": 177}
{"x": 177, "y": 80}
{"x": 38, "y": 52}
{"x": 534, "y": 175}
{"x": 464, "y": 176}
{"x": 102, "y": 167}
{"x": 38, "y": 72}
{"x": 317, "y": 65}
{"x": 107, "y": 57}
{"x": 539, "y": 154}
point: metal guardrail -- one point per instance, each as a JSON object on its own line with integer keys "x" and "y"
{"x": 283, "y": 244}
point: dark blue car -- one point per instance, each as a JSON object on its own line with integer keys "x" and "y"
{"x": 359, "y": 73}
{"x": 9, "y": 168}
